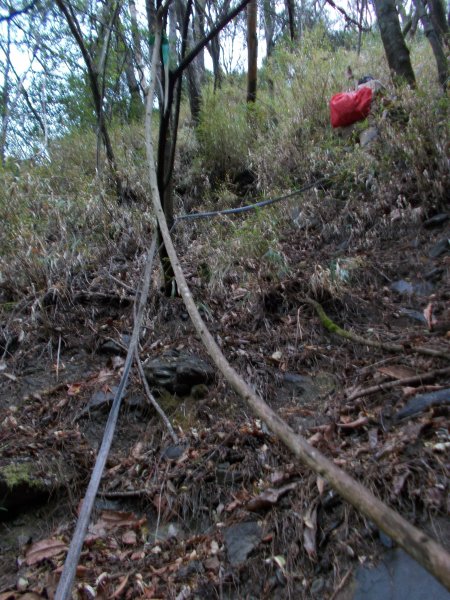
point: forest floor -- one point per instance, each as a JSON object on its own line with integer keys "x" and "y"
{"x": 227, "y": 512}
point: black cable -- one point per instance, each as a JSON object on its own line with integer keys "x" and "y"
{"x": 249, "y": 207}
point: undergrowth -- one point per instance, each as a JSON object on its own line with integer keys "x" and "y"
{"x": 60, "y": 217}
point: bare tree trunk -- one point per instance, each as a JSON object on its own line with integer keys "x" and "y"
{"x": 438, "y": 18}
{"x": 252, "y": 47}
{"x": 362, "y": 8}
{"x": 269, "y": 25}
{"x": 5, "y": 95}
{"x": 436, "y": 46}
{"x": 95, "y": 66}
{"x": 137, "y": 48}
{"x": 136, "y": 109}
{"x": 290, "y": 8}
{"x": 397, "y": 53}
{"x": 194, "y": 70}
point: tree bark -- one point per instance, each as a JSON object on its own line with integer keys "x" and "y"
{"x": 94, "y": 68}
{"x": 290, "y": 8}
{"x": 439, "y": 20}
{"x": 436, "y": 46}
{"x": 269, "y": 25}
{"x": 397, "y": 53}
{"x": 252, "y": 47}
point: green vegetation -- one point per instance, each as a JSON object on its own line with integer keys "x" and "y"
{"x": 60, "y": 216}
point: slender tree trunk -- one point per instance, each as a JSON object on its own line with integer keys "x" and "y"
{"x": 252, "y": 46}
{"x": 95, "y": 66}
{"x": 137, "y": 48}
{"x": 438, "y": 18}
{"x": 397, "y": 53}
{"x": 194, "y": 70}
{"x": 290, "y": 8}
{"x": 269, "y": 25}
{"x": 5, "y": 95}
{"x": 436, "y": 46}
{"x": 362, "y": 8}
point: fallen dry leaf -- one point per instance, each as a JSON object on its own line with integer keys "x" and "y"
{"x": 321, "y": 483}
{"x": 428, "y": 314}
{"x": 73, "y": 389}
{"x": 269, "y": 497}
{"x": 397, "y": 371}
{"x": 360, "y": 422}
{"x": 43, "y": 550}
{"x": 310, "y": 531}
{"x": 129, "y": 538}
{"x": 121, "y": 587}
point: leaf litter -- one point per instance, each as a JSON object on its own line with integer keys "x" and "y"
{"x": 159, "y": 529}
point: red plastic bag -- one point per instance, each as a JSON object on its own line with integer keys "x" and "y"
{"x": 348, "y": 107}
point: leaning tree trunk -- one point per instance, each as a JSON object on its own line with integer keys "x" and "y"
{"x": 436, "y": 46}
{"x": 252, "y": 45}
{"x": 397, "y": 52}
{"x": 439, "y": 20}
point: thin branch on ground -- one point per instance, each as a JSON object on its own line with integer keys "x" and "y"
{"x": 430, "y": 375}
{"x": 404, "y": 348}
{"x": 420, "y": 546}
{"x": 64, "y": 590}
{"x": 152, "y": 399}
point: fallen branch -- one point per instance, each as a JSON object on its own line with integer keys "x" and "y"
{"x": 152, "y": 399}
{"x": 430, "y": 375}
{"x": 358, "y": 339}
{"x": 420, "y": 546}
{"x": 64, "y": 590}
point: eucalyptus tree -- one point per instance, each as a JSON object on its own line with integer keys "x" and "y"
{"x": 252, "y": 47}
{"x": 435, "y": 42}
{"x": 396, "y": 50}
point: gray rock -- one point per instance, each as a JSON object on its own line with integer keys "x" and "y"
{"x": 439, "y": 248}
{"x": 367, "y": 136}
{"x": 408, "y": 288}
{"x": 413, "y": 314}
{"x": 435, "y": 274}
{"x": 436, "y": 220}
{"x": 397, "y": 577}
{"x": 173, "y": 452}
{"x": 422, "y": 402}
{"x": 241, "y": 539}
{"x": 178, "y": 373}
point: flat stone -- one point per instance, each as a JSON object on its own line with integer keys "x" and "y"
{"x": 436, "y": 220}
{"x": 408, "y": 288}
{"x": 439, "y": 248}
{"x": 241, "y": 539}
{"x": 397, "y": 577}
{"x": 434, "y": 274}
{"x": 178, "y": 372}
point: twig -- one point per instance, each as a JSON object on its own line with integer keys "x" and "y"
{"x": 420, "y": 546}
{"x": 398, "y": 382}
{"x": 121, "y": 283}
{"x": 58, "y": 356}
{"x": 152, "y": 399}
{"x": 64, "y": 590}
{"x": 127, "y": 494}
{"x": 341, "y": 584}
{"x": 334, "y": 328}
